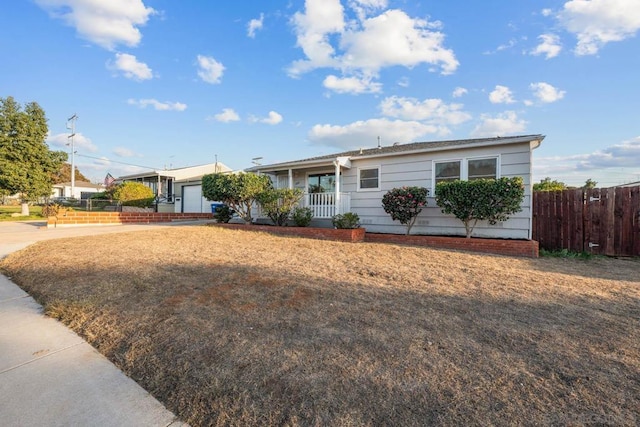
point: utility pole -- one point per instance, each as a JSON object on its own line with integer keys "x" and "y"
{"x": 72, "y": 119}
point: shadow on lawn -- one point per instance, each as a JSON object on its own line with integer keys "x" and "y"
{"x": 230, "y": 344}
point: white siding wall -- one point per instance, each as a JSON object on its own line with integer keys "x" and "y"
{"x": 416, "y": 170}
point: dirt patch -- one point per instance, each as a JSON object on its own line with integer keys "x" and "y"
{"x": 242, "y": 328}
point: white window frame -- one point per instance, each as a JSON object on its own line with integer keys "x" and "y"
{"x": 497, "y": 158}
{"x": 433, "y": 170}
{"x": 464, "y": 167}
{"x": 379, "y": 178}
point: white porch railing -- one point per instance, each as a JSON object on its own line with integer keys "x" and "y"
{"x": 324, "y": 204}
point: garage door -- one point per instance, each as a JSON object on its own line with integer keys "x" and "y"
{"x": 192, "y": 198}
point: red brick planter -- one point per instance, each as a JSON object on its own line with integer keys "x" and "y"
{"x": 523, "y": 248}
{"x": 354, "y": 235}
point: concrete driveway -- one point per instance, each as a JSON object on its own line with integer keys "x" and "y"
{"x": 49, "y": 376}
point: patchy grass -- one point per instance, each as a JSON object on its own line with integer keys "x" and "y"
{"x": 243, "y": 328}
{"x": 565, "y": 253}
{"x": 35, "y": 212}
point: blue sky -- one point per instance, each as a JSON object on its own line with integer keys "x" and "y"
{"x": 161, "y": 83}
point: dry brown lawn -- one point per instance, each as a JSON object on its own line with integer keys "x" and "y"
{"x": 243, "y": 328}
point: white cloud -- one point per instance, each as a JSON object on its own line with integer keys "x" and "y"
{"x": 80, "y": 142}
{"x": 368, "y": 42}
{"x": 459, "y": 91}
{"x": 210, "y": 70}
{"x": 255, "y": 25}
{"x": 404, "y": 82}
{"x": 352, "y": 85}
{"x": 500, "y": 125}
{"x": 321, "y": 18}
{"x": 131, "y": 67}
{"x": 273, "y": 119}
{"x": 505, "y": 46}
{"x": 125, "y": 152}
{"x": 549, "y": 46}
{"x": 364, "y": 134}
{"x": 105, "y": 23}
{"x": 160, "y": 106}
{"x": 598, "y": 22}
{"x": 227, "y": 115}
{"x": 364, "y": 8}
{"x": 626, "y": 154}
{"x": 546, "y": 12}
{"x": 432, "y": 111}
{"x": 546, "y": 93}
{"x": 615, "y": 164}
{"x": 394, "y": 38}
{"x": 501, "y": 95}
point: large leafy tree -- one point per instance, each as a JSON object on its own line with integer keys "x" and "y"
{"x": 482, "y": 199}
{"x": 27, "y": 165}
{"x": 238, "y": 191}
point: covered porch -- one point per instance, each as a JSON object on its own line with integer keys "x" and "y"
{"x": 326, "y": 205}
{"x": 320, "y": 181}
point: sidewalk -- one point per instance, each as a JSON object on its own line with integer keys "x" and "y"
{"x": 49, "y": 376}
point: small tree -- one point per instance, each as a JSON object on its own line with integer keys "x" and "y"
{"x": 238, "y": 191}
{"x": 589, "y": 184}
{"x": 278, "y": 203}
{"x": 133, "y": 194}
{"x": 481, "y": 199}
{"x": 404, "y": 204}
{"x": 549, "y": 185}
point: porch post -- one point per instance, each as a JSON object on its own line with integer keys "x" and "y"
{"x": 337, "y": 209}
{"x": 290, "y": 179}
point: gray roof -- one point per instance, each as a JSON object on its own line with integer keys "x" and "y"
{"x": 400, "y": 149}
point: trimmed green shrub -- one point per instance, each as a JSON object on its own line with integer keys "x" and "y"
{"x": 277, "y": 204}
{"x": 404, "y": 204}
{"x": 302, "y": 216}
{"x": 133, "y": 194}
{"x": 480, "y": 199}
{"x": 223, "y": 214}
{"x": 347, "y": 220}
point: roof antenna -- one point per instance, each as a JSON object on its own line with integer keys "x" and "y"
{"x": 379, "y": 146}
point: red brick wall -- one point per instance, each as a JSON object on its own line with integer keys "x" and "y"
{"x": 355, "y": 235}
{"x": 524, "y": 248}
{"x": 70, "y": 218}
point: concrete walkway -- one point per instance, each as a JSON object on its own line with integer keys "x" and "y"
{"x": 49, "y": 376}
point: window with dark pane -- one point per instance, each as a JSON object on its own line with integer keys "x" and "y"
{"x": 483, "y": 168}
{"x": 447, "y": 171}
{"x": 369, "y": 178}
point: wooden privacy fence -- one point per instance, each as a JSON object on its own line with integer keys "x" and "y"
{"x": 604, "y": 221}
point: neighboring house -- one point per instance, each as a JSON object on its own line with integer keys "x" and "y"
{"x": 355, "y": 181}
{"x": 81, "y": 190}
{"x": 180, "y": 189}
